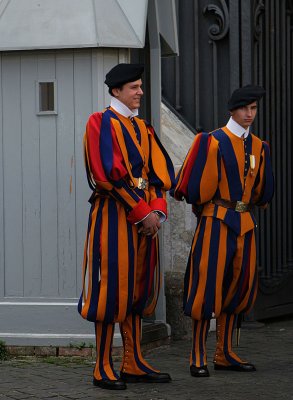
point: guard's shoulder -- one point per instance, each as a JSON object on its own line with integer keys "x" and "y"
{"x": 96, "y": 115}
{"x": 266, "y": 144}
{"x": 216, "y": 134}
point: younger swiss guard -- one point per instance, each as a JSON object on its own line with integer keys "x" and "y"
{"x": 226, "y": 174}
{"x": 129, "y": 172}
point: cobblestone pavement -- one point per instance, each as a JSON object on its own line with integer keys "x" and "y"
{"x": 270, "y": 347}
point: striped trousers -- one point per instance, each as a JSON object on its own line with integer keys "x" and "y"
{"x": 224, "y": 354}
{"x": 132, "y": 361}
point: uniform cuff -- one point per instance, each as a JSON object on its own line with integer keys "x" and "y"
{"x": 139, "y": 212}
{"x": 159, "y": 205}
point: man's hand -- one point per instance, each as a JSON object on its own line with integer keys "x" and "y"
{"x": 150, "y": 225}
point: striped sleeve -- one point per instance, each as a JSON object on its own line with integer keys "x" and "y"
{"x": 198, "y": 178}
{"x": 106, "y": 168}
{"x": 264, "y": 183}
{"x": 161, "y": 172}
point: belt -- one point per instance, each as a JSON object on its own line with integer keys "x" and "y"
{"x": 139, "y": 183}
{"x": 238, "y": 206}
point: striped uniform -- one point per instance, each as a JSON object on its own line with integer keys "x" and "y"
{"x": 121, "y": 276}
{"x": 119, "y": 264}
{"x": 221, "y": 275}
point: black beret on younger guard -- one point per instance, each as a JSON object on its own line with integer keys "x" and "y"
{"x": 244, "y": 96}
{"x": 123, "y": 73}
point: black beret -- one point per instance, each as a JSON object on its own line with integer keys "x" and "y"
{"x": 123, "y": 73}
{"x": 244, "y": 96}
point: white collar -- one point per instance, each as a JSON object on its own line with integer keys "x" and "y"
{"x": 122, "y": 109}
{"x": 237, "y": 129}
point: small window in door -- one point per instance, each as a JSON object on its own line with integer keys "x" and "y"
{"x": 46, "y": 97}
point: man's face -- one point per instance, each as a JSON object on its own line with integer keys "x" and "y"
{"x": 245, "y": 115}
{"x": 130, "y": 94}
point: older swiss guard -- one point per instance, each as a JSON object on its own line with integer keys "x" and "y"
{"x": 226, "y": 174}
{"x": 129, "y": 172}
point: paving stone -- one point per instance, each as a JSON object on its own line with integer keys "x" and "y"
{"x": 269, "y": 346}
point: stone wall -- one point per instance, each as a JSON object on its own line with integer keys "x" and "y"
{"x": 178, "y": 231}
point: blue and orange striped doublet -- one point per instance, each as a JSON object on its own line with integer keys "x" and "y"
{"x": 121, "y": 267}
{"x": 221, "y": 273}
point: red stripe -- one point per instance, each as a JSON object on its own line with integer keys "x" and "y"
{"x": 189, "y": 166}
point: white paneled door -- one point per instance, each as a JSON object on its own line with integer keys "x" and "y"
{"x": 45, "y": 100}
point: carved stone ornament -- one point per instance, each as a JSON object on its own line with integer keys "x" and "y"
{"x": 218, "y": 30}
{"x": 258, "y": 8}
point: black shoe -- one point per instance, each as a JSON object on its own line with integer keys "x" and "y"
{"x": 110, "y": 384}
{"x": 153, "y": 377}
{"x": 199, "y": 372}
{"x": 245, "y": 367}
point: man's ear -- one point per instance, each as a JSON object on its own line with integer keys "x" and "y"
{"x": 116, "y": 92}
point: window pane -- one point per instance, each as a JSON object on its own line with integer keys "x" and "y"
{"x": 46, "y": 99}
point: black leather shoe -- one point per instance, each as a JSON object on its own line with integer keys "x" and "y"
{"x": 109, "y": 384}
{"x": 245, "y": 367}
{"x": 153, "y": 377}
{"x": 199, "y": 372}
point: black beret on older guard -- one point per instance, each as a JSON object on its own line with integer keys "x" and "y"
{"x": 123, "y": 73}
{"x": 244, "y": 96}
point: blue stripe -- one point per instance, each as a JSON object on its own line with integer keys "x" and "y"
{"x": 188, "y": 301}
{"x": 212, "y": 270}
{"x": 231, "y": 245}
{"x": 268, "y": 190}
{"x": 236, "y": 298}
{"x": 137, "y": 131}
{"x": 230, "y": 163}
{"x": 112, "y": 282}
{"x": 193, "y": 186}
{"x": 79, "y": 305}
{"x": 250, "y": 299}
{"x": 233, "y": 220}
{"x": 92, "y": 312}
{"x": 106, "y": 146}
{"x": 102, "y": 352}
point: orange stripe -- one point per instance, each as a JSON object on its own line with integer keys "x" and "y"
{"x": 159, "y": 163}
{"x": 199, "y": 298}
{"x": 89, "y": 269}
{"x": 220, "y": 268}
{"x": 230, "y": 331}
{"x": 104, "y": 265}
{"x": 223, "y": 185}
{"x": 191, "y": 259}
{"x": 204, "y": 340}
{"x": 252, "y": 272}
{"x": 209, "y": 178}
{"x": 99, "y": 327}
{"x": 140, "y": 267}
{"x": 107, "y": 352}
{"x": 144, "y": 141}
{"x": 123, "y": 264}
{"x": 197, "y": 350}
